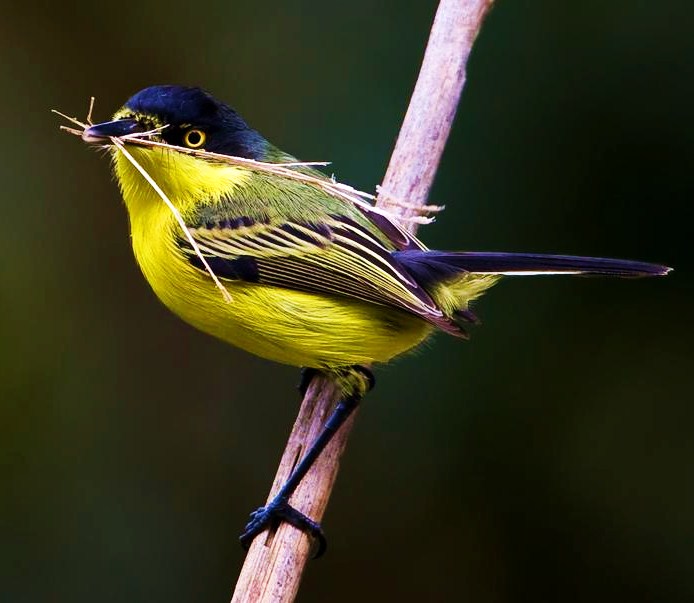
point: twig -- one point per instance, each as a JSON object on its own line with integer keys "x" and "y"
{"x": 118, "y": 142}
{"x": 275, "y": 562}
{"x": 429, "y": 117}
{"x": 364, "y": 201}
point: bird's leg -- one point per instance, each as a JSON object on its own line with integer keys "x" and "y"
{"x": 279, "y": 509}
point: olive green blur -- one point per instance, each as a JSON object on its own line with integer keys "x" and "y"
{"x": 548, "y": 459}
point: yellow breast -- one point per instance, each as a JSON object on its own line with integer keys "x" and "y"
{"x": 288, "y": 326}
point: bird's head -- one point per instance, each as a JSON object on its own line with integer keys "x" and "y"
{"x": 185, "y": 117}
{"x": 182, "y": 116}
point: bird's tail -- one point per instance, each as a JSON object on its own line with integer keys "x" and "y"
{"x": 425, "y": 265}
{"x": 456, "y": 278}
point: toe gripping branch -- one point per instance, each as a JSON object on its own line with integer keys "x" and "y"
{"x": 279, "y": 509}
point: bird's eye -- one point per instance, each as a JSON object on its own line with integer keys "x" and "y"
{"x": 194, "y": 138}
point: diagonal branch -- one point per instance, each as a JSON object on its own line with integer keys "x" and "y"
{"x": 432, "y": 108}
{"x": 275, "y": 562}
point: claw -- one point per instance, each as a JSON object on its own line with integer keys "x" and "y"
{"x": 273, "y": 514}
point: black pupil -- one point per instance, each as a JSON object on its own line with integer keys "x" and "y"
{"x": 194, "y": 137}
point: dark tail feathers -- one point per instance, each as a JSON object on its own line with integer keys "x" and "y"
{"x": 434, "y": 266}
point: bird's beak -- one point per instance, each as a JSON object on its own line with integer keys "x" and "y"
{"x": 102, "y": 133}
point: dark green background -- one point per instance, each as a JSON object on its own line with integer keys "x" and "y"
{"x": 549, "y": 459}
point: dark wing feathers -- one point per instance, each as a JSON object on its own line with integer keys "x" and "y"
{"x": 334, "y": 256}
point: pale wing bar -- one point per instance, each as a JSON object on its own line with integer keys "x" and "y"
{"x": 337, "y": 257}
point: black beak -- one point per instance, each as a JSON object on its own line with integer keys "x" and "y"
{"x": 101, "y": 133}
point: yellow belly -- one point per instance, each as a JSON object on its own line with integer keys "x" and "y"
{"x": 287, "y": 326}
{"x": 283, "y": 325}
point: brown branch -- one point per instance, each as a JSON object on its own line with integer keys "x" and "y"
{"x": 275, "y": 562}
{"x": 429, "y": 117}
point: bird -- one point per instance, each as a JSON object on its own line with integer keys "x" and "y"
{"x": 314, "y": 280}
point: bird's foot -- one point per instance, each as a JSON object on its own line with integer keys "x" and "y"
{"x": 277, "y": 511}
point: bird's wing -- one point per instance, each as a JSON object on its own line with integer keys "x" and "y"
{"x": 334, "y": 255}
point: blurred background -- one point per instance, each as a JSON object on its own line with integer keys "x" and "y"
{"x": 548, "y": 459}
